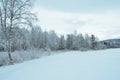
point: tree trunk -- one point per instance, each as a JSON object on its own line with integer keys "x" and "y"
{"x": 9, "y": 52}
{"x": 10, "y": 57}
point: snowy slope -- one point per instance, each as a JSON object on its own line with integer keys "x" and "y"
{"x": 73, "y": 65}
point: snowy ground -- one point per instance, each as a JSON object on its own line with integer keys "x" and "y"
{"x": 73, "y": 65}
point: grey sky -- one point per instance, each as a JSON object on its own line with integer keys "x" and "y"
{"x": 79, "y": 5}
{"x": 99, "y": 17}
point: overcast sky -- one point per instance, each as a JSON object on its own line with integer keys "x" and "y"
{"x": 99, "y": 17}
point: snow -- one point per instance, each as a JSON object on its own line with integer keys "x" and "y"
{"x": 72, "y": 65}
{"x": 21, "y": 56}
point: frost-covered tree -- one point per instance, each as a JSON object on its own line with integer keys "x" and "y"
{"x": 62, "y": 42}
{"x": 93, "y": 42}
{"x": 82, "y": 41}
{"x": 36, "y": 37}
{"x": 69, "y": 41}
{"x": 75, "y": 41}
{"x": 78, "y": 42}
{"x": 20, "y": 39}
{"x": 45, "y": 38}
{"x": 87, "y": 41}
{"x": 13, "y": 13}
{"x": 53, "y": 40}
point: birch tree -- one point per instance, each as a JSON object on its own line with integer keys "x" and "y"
{"x": 14, "y": 13}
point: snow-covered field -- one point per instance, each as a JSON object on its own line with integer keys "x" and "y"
{"x": 73, "y": 65}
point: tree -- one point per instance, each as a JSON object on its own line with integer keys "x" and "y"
{"x": 82, "y": 41}
{"x": 45, "y": 45}
{"x": 93, "y": 42}
{"x": 77, "y": 42}
{"x": 87, "y": 41}
{"x": 20, "y": 39}
{"x": 69, "y": 41}
{"x": 36, "y": 37}
{"x": 62, "y": 42}
{"x": 14, "y": 13}
{"x": 53, "y": 40}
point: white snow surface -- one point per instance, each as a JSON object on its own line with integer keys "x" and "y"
{"x": 72, "y": 65}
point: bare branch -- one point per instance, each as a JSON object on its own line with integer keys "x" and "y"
{"x": 22, "y": 6}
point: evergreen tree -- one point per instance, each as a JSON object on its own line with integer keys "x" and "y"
{"x": 62, "y": 43}
{"x": 93, "y": 42}
{"x": 69, "y": 42}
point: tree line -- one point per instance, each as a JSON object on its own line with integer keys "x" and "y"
{"x": 36, "y": 38}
